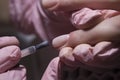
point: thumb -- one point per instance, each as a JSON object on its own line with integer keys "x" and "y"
{"x": 51, "y": 73}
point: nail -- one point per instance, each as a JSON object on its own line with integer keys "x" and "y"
{"x": 60, "y": 41}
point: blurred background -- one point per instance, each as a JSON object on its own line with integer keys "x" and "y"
{"x": 36, "y": 63}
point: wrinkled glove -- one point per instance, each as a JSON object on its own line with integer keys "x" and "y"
{"x": 52, "y": 72}
{"x": 31, "y": 17}
{"x": 100, "y": 58}
{"x": 104, "y": 55}
{"x": 10, "y": 55}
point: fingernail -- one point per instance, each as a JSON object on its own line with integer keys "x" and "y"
{"x": 60, "y": 41}
{"x": 64, "y": 51}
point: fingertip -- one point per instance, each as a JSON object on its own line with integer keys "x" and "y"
{"x": 101, "y": 47}
{"x": 82, "y": 20}
{"x": 12, "y": 52}
{"x": 9, "y": 57}
{"x": 65, "y": 51}
{"x": 66, "y": 56}
{"x": 59, "y": 41}
{"x": 83, "y": 52}
{"x": 52, "y": 70}
{"x": 76, "y": 37}
{"x": 82, "y": 48}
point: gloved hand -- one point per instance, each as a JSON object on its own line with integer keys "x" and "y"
{"x": 10, "y": 55}
{"x": 102, "y": 57}
{"x": 52, "y": 71}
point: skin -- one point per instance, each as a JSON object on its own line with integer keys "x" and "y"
{"x": 65, "y": 5}
{"x": 107, "y": 30}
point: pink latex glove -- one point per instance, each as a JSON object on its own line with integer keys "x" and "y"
{"x": 31, "y": 17}
{"x": 87, "y": 18}
{"x": 9, "y": 56}
{"x": 87, "y": 62}
{"x": 52, "y": 72}
{"x": 102, "y": 57}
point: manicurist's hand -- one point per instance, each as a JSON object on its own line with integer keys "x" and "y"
{"x": 10, "y": 55}
{"x": 104, "y": 55}
{"x": 99, "y": 58}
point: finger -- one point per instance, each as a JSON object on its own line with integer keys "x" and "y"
{"x": 66, "y": 56}
{"x": 9, "y": 57}
{"x": 103, "y": 55}
{"x": 78, "y": 37}
{"x": 82, "y": 20}
{"x": 101, "y": 47}
{"x": 51, "y": 72}
{"x": 107, "y": 30}
{"x": 83, "y": 53}
{"x": 70, "y": 5}
{"x": 107, "y": 60}
{"x": 108, "y": 13}
{"x": 6, "y": 41}
{"x": 106, "y": 51}
{"x": 73, "y": 39}
{"x": 18, "y": 73}
{"x": 60, "y": 41}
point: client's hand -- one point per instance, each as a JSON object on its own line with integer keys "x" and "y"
{"x": 10, "y": 55}
{"x": 100, "y": 25}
